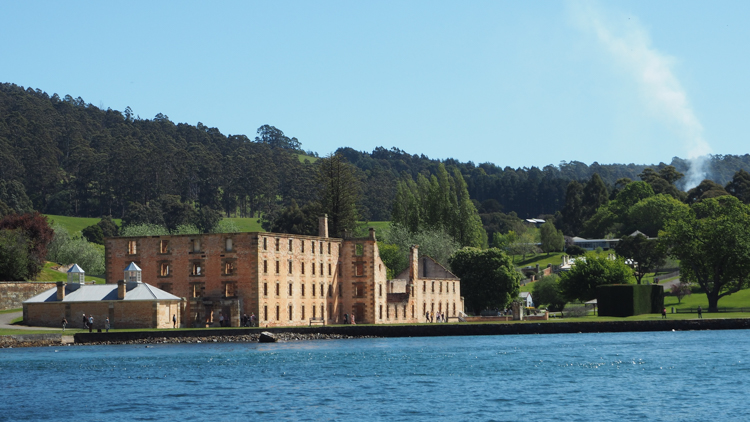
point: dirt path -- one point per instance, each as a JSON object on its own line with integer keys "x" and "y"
{"x": 6, "y": 319}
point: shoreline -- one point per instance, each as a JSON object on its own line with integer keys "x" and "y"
{"x": 366, "y": 331}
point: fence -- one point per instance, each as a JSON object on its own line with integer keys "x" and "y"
{"x": 666, "y": 276}
{"x": 705, "y": 310}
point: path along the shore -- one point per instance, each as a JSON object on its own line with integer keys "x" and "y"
{"x": 6, "y": 319}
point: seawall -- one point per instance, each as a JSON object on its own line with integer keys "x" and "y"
{"x": 431, "y": 330}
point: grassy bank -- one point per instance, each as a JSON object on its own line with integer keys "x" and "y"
{"x": 48, "y": 274}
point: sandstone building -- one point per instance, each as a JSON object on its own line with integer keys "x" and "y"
{"x": 283, "y": 279}
{"x": 129, "y": 303}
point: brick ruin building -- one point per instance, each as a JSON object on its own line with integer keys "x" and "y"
{"x": 284, "y": 279}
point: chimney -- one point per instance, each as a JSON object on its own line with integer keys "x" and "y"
{"x": 372, "y": 233}
{"x": 121, "y": 289}
{"x": 323, "y": 225}
{"x": 414, "y": 262}
{"x": 60, "y": 290}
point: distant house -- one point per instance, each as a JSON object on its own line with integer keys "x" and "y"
{"x": 526, "y": 298}
{"x": 605, "y": 244}
{"x": 535, "y": 221}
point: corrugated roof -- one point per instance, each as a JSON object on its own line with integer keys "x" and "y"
{"x": 104, "y": 292}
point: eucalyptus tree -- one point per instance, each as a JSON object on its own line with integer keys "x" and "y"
{"x": 712, "y": 243}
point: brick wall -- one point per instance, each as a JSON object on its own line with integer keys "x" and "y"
{"x": 13, "y": 293}
{"x": 121, "y": 314}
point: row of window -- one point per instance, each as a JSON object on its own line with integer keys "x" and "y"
{"x": 290, "y": 267}
{"x": 424, "y": 287}
{"x": 277, "y": 245}
{"x": 228, "y": 268}
{"x": 229, "y": 288}
{"x": 313, "y": 288}
{"x": 195, "y": 246}
{"x": 303, "y": 315}
{"x": 439, "y": 309}
{"x": 165, "y": 249}
{"x": 395, "y": 310}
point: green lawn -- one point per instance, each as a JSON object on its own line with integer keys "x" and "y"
{"x": 554, "y": 258}
{"x": 303, "y": 157}
{"x": 379, "y": 226}
{"x": 48, "y": 274}
{"x": 75, "y": 224}
{"x": 246, "y": 224}
{"x": 740, "y": 299}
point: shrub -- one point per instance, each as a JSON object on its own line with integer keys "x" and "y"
{"x": 574, "y": 250}
{"x": 576, "y": 312}
{"x": 66, "y": 250}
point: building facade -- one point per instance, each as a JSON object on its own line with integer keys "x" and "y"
{"x": 281, "y": 279}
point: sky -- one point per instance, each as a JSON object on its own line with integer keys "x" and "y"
{"x": 513, "y": 83}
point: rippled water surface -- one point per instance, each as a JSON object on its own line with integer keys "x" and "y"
{"x": 671, "y": 376}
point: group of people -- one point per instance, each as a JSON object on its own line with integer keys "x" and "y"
{"x": 347, "y": 320}
{"x": 433, "y": 317}
{"x": 87, "y": 323}
{"x": 248, "y": 321}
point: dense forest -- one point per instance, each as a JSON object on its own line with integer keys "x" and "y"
{"x": 73, "y": 158}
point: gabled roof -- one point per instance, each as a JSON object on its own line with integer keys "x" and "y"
{"x": 429, "y": 269}
{"x": 76, "y": 269}
{"x": 103, "y": 292}
{"x": 524, "y": 294}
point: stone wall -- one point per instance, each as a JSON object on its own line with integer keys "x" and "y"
{"x": 121, "y": 314}
{"x": 437, "y": 330}
{"x": 13, "y": 293}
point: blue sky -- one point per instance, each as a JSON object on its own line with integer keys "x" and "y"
{"x": 512, "y": 83}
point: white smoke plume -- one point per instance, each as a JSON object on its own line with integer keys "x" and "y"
{"x": 630, "y": 45}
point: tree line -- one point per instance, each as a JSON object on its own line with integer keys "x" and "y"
{"x": 73, "y": 158}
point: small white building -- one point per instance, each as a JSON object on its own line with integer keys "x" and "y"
{"x": 526, "y": 299}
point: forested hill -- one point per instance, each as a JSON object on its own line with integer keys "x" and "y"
{"x": 73, "y": 158}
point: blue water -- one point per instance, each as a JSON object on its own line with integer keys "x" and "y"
{"x": 668, "y": 376}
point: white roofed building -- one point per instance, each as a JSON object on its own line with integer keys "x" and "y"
{"x": 129, "y": 303}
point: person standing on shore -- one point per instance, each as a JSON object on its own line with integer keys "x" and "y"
{"x": 106, "y": 324}
{"x": 664, "y": 313}
{"x": 252, "y": 319}
{"x": 91, "y": 323}
{"x": 85, "y": 322}
{"x": 174, "y": 321}
{"x": 64, "y": 323}
{"x": 700, "y": 312}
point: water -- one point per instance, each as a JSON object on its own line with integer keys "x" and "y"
{"x": 666, "y": 376}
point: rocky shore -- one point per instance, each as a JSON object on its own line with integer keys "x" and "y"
{"x": 46, "y": 340}
{"x": 228, "y": 335}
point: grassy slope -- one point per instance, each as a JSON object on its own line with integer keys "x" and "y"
{"x": 246, "y": 224}
{"x": 48, "y": 274}
{"x": 303, "y": 157}
{"x": 740, "y": 299}
{"x": 75, "y": 224}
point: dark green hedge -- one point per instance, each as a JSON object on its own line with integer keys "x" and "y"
{"x": 623, "y": 300}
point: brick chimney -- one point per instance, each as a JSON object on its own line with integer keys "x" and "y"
{"x": 323, "y": 225}
{"x": 60, "y": 290}
{"x": 372, "y": 234}
{"x": 414, "y": 263}
{"x": 121, "y": 289}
